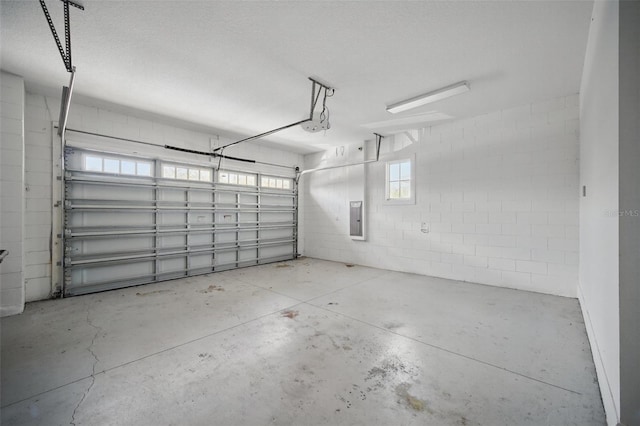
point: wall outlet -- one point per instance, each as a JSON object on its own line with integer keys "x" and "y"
{"x": 424, "y": 227}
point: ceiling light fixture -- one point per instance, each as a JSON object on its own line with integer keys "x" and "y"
{"x": 436, "y": 95}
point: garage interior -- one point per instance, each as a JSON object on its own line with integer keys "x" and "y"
{"x": 338, "y": 213}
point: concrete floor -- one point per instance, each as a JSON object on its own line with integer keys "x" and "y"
{"x": 305, "y": 342}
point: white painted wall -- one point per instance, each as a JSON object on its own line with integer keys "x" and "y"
{"x": 599, "y": 169}
{"x": 12, "y": 193}
{"x": 500, "y": 192}
{"x": 41, "y": 111}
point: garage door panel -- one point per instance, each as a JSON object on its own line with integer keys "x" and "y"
{"x": 96, "y": 246}
{"x": 275, "y": 252}
{"x": 129, "y": 230}
{"x": 227, "y": 197}
{"x": 201, "y": 261}
{"x": 101, "y": 274}
{"x": 247, "y": 255}
{"x": 171, "y": 241}
{"x": 170, "y": 194}
{"x": 109, "y": 192}
{"x": 268, "y": 216}
{"x": 250, "y": 236}
{"x": 201, "y": 239}
{"x": 248, "y": 217}
{"x": 251, "y": 199}
{"x": 225, "y": 258}
{"x": 171, "y": 218}
{"x": 270, "y": 234}
{"x": 200, "y": 218}
{"x": 197, "y": 196}
{"x": 110, "y": 218}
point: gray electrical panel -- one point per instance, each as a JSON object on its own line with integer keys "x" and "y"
{"x": 355, "y": 219}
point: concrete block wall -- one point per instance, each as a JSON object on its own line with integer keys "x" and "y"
{"x": 499, "y": 193}
{"x": 41, "y": 111}
{"x": 38, "y": 179}
{"x": 12, "y": 193}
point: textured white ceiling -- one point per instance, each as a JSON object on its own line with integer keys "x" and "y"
{"x": 242, "y": 67}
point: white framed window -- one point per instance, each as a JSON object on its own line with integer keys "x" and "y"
{"x": 400, "y": 181}
{"x": 236, "y": 178}
{"x": 276, "y": 182}
{"x": 174, "y": 171}
{"x": 117, "y": 166}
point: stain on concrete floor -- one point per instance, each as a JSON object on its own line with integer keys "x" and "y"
{"x": 289, "y": 314}
{"x": 392, "y": 325}
{"x": 402, "y": 390}
{"x": 212, "y": 288}
{"x": 149, "y": 293}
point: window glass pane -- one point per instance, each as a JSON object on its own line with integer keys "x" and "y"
{"x": 181, "y": 173}
{"x": 194, "y": 174}
{"x": 111, "y": 165}
{"x": 264, "y": 181}
{"x": 394, "y": 172}
{"x": 394, "y": 190}
{"x": 251, "y": 180}
{"x": 224, "y": 177}
{"x": 405, "y": 170}
{"x": 405, "y": 189}
{"x": 272, "y": 183}
{"x": 144, "y": 169}
{"x": 169, "y": 172}
{"x": 279, "y": 183}
{"x": 205, "y": 175}
{"x": 286, "y": 184}
{"x": 127, "y": 167}
{"x": 242, "y": 180}
{"x": 93, "y": 164}
{"x": 233, "y": 178}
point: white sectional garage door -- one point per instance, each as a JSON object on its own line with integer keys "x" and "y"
{"x": 130, "y": 221}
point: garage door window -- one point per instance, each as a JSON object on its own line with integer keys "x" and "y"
{"x": 275, "y": 182}
{"x": 174, "y": 171}
{"x": 116, "y": 166}
{"x": 235, "y": 178}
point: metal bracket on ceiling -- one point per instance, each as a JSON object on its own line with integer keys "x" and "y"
{"x": 316, "y": 90}
{"x": 65, "y": 103}
{"x": 66, "y": 56}
{"x": 378, "y": 143}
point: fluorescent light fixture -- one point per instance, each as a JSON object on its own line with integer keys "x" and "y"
{"x": 412, "y": 121}
{"x": 436, "y": 95}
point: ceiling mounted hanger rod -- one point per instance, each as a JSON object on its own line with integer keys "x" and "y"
{"x": 315, "y": 96}
{"x": 67, "y": 92}
{"x": 378, "y": 143}
{"x": 65, "y": 104}
{"x": 66, "y": 56}
{"x": 261, "y": 135}
{"x": 340, "y": 166}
